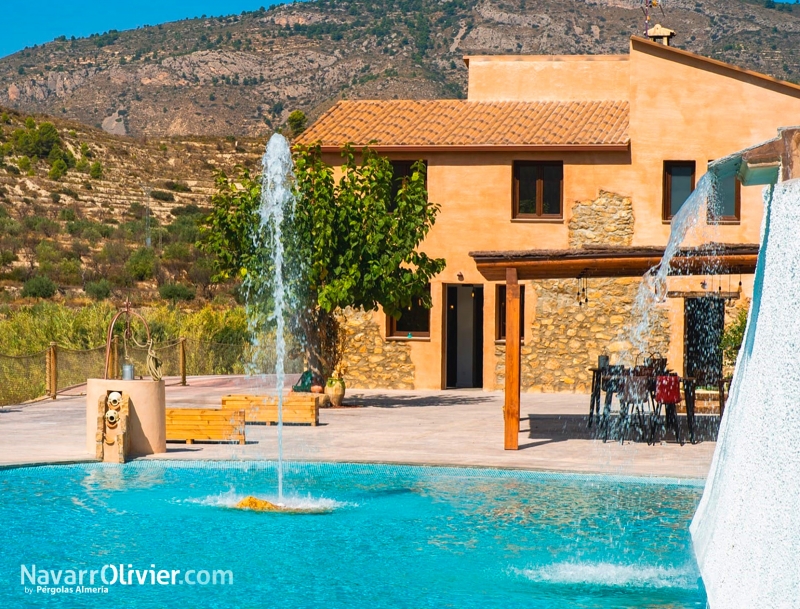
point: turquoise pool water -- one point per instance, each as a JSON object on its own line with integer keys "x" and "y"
{"x": 394, "y": 537}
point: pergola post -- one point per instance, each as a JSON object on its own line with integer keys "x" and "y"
{"x": 512, "y": 393}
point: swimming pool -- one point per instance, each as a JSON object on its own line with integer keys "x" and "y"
{"x": 393, "y": 537}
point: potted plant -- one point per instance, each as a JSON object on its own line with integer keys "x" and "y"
{"x": 335, "y": 387}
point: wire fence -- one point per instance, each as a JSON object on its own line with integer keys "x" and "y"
{"x": 59, "y": 370}
{"x": 22, "y": 378}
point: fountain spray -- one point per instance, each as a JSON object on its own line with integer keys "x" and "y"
{"x": 277, "y": 206}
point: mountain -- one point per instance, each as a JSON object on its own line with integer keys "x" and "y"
{"x": 242, "y": 75}
{"x": 77, "y": 204}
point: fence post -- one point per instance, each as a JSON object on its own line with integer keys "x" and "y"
{"x": 52, "y": 370}
{"x": 114, "y": 358}
{"x": 182, "y": 359}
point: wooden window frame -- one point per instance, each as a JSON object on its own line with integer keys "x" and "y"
{"x": 736, "y": 218}
{"x": 538, "y": 216}
{"x": 394, "y": 334}
{"x": 666, "y": 190}
{"x": 499, "y": 313}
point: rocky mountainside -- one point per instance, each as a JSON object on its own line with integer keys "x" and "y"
{"x": 78, "y": 205}
{"x": 243, "y": 74}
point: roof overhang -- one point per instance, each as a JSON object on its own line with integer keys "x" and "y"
{"x": 555, "y": 148}
{"x": 610, "y": 261}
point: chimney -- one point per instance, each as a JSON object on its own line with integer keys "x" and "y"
{"x": 660, "y": 34}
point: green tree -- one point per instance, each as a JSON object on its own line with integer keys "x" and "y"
{"x": 35, "y": 141}
{"x": 96, "y": 170}
{"x": 142, "y": 264}
{"x": 57, "y": 170}
{"x": 297, "y": 122}
{"x": 349, "y": 243}
{"x": 98, "y": 290}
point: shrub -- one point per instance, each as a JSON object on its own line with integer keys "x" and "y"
{"x": 58, "y": 170}
{"x": 297, "y": 122}
{"x": 70, "y": 193}
{"x": 39, "y": 287}
{"x": 96, "y": 170}
{"x": 67, "y": 215}
{"x": 142, "y": 264}
{"x": 160, "y": 195}
{"x": 98, "y": 290}
{"x": 176, "y": 291}
{"x": 24, "y": 163}
{"x": 82, "y": 166}
{"x": 55, "y": 198}
{"x": 177, "y": 186}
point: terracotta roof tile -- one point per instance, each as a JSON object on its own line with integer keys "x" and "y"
{"x": 459, "y": 123}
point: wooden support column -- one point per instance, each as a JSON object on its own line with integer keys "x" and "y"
{"x": 512, "y": 393}
{"x": 182, "y": 360}
{"x": 52, "y": 371}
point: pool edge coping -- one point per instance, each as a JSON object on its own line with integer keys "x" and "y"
{"x": 646, "y": 479}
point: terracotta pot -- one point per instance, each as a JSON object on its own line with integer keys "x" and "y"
{"x": 335, "y": 389}
{"x": 316, "y": 388}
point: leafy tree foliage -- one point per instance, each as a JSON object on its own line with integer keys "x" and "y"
{"x": 348, "y": 242}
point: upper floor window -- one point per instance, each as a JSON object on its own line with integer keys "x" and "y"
{"x": 414, "y": 322}
{"x": 401, "y": 171}
{"x": 728, "y": 205}
{"x": 678, "y": 185}
{"x": 538, "y": 189}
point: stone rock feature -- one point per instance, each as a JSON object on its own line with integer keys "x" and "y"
{"x": 608, "y": 220}
{"x": 372, "y": 362}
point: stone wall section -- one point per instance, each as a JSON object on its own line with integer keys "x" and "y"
{"x": 564, "y": 339}
{"x": 608, "y": 220}
{"x": 372, "y": 362}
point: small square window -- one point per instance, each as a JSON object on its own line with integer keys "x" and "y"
{"x": 414, "y": 322}
{"x": 500, "y": 315}
{"x": 728, "y": 203}
{"x": 678, "y": 185}
{"x": 538, "y": 189}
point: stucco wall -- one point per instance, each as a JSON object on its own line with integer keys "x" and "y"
{"x": 680, "y": 109}
{"x": 548, "y": 77}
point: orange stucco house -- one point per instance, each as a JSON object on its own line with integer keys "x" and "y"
{"x": 556, "y": 152}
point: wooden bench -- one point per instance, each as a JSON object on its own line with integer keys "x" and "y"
{"x": 205, "y": 424}
{"x": 297, "y": 408}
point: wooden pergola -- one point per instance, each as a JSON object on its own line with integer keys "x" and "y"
{"x": 592, "y": 261}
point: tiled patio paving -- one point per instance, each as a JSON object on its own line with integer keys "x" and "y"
{"x": 420, "y": 427}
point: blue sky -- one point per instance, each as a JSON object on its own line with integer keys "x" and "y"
{"x": 47, "y": 19}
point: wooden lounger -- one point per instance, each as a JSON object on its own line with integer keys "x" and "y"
{"x": 205, "y": 425}
{"x": 297, "y": 408}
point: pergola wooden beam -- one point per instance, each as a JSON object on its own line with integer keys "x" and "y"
{"x": 513, "y": 364}
{"x": 512, "y": 266}
{"x": 715, "y": 259}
